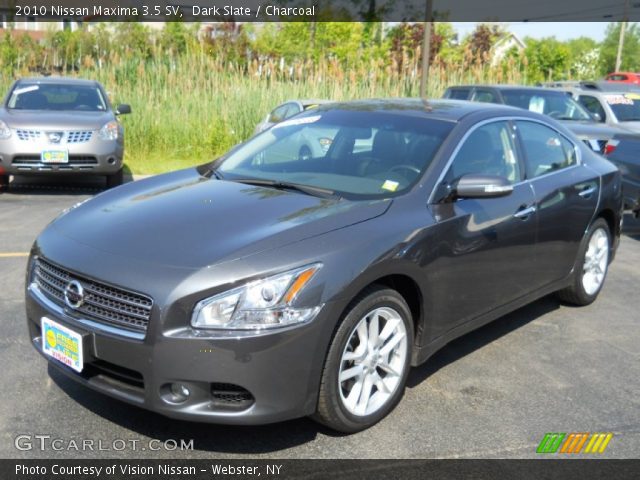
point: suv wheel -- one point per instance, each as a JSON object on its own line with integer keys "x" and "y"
{"x": 368, "y": 362}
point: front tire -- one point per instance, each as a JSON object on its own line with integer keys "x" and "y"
{"x": 591, "y": 266}
{"x": 368, "y": 362}
{"x": 115, "y": 179}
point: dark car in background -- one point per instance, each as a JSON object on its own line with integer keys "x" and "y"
{"x": 54, "y": 125}
{"x": 259, "y": 288}
{"x": 553, "y": 103}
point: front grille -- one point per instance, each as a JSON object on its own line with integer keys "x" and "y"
{"x": 230, "y": 397}
{"x": 80, "y": 136}
{"x": 73, "y": 160}
{"x": 28, "y": 134}
{"x": 116, "y": 372}
{"x": 102, "y": 303}
{"x": 73, "y": 136}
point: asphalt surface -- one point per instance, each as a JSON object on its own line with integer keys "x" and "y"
{"x": 493, "y": 393}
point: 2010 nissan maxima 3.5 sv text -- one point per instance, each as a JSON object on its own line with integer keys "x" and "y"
{"x": 263, "y": 286}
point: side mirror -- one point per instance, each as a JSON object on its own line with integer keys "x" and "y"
{"x": 597, "y": 117}
{"x": 482, "y": 186}
{"x": 123, "y": 109}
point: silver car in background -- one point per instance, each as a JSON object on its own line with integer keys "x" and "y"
{"x": 54, "y": 125}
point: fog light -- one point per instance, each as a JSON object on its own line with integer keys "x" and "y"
{"x": 180, "y": 392}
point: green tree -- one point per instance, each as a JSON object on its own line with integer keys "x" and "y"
{"x": 547, "y": 59}
{"x": 630, "y": 51}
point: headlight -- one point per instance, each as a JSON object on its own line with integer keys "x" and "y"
{"x": 5, "y": 131}
{"x": 109, "y": 131}
{"x": 258, "y": 305}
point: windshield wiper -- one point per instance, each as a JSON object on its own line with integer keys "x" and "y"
{"x": 306, "y": 189}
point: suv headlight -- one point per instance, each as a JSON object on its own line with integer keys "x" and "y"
{"x": 261, "y": 304}
{"x": 5, "y": 131}
{"x": 110, "y": 131}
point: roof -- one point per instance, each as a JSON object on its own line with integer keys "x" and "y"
{"x": 58, "y": 80}
{"x": 511, "y": 87}
{"x": 452, "y": 110}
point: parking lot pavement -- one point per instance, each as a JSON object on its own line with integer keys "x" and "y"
{"x": 493, "y": 393}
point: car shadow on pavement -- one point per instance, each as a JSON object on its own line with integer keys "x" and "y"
{"x": 59, "y": 184}
{"x": 206, "y": 437}
{"x": 279, "y": 436}
{"x": 481, "y": 337}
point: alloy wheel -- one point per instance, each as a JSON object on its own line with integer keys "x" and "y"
{"x": 373, "y": 362}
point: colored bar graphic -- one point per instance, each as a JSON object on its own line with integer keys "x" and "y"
{"x": 550, "y": 443}
{"x": 574, "y": 442}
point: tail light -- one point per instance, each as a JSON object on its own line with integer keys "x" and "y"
{"x": 611, "y": 146}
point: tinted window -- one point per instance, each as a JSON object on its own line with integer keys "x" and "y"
{"x": 279, "y": 114}
{"x": 546, "y": 150}
{"x": 458, "y": 93}
{"x": 555, "y": 104}
{"x": 489, "y": 150}
{"x": 50, "y": 96}
{"x": 485, "y": 96}
{"x": 292, "y": 109}
{"x": 358, "y": 153}
{"x": 593, "y": 105}
{"x": 626, "y": 106}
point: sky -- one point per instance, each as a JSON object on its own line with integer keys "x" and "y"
{"x": 561, "y": 30}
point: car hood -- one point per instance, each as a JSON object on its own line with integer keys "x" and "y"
{"x": 630, "y": 126}
{"x": 37, "y": 119}
{"x": 591, "y": 130}
{"x": 186, "y": 220}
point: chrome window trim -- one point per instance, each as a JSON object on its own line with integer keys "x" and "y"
{"x": 56, "y": 309}
{"x": 464, "y": 138}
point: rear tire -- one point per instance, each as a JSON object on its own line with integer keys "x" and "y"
{"x": 115, "y": 179}
{"x": 591, "y": 268}
{"x": 375, "y": 340}
{"x": 4, "y": 182}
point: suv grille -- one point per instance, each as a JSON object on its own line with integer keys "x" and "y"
{"x": 79, "y": 136}
{"x": 28, "y": 134}
{"x": 102, "y": 303}
{"x": 74, "y": 136}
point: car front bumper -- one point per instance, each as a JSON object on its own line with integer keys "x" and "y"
{"x": 280, "y": 371}
{"x": 95, "y": 156}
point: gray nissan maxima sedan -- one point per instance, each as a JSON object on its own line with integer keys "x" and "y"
{"x": 258, "y": 288}
{"x": 54, "y": 125}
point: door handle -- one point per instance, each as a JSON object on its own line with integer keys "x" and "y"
{"x": 525, "y": 212}
{"x": 587, "y": 192}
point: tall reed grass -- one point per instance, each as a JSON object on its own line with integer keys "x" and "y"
{"x": 192, "y": 107}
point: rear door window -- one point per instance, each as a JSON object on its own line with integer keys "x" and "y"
{"x": 546, "y": 150}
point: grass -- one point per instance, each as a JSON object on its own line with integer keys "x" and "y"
{"x": 192, "y": 108}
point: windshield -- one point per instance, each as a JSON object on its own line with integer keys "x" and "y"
{"x": 56, "y": 97}
{"x": 352, "y": 153}
{"x": 556, "y": 105}
{"x": 626, "y": 107}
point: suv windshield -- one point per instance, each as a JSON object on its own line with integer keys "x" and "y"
{"x": 626, "y": 106}
{"x": 56, "y": 97}
{"x": 353, "y": 153}
{"x": 555, "y": 105}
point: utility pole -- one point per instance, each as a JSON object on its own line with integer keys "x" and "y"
{"x": 426, "y": 49}
{"x": 620, "y": 45}
{"x": 623, "y": 26}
